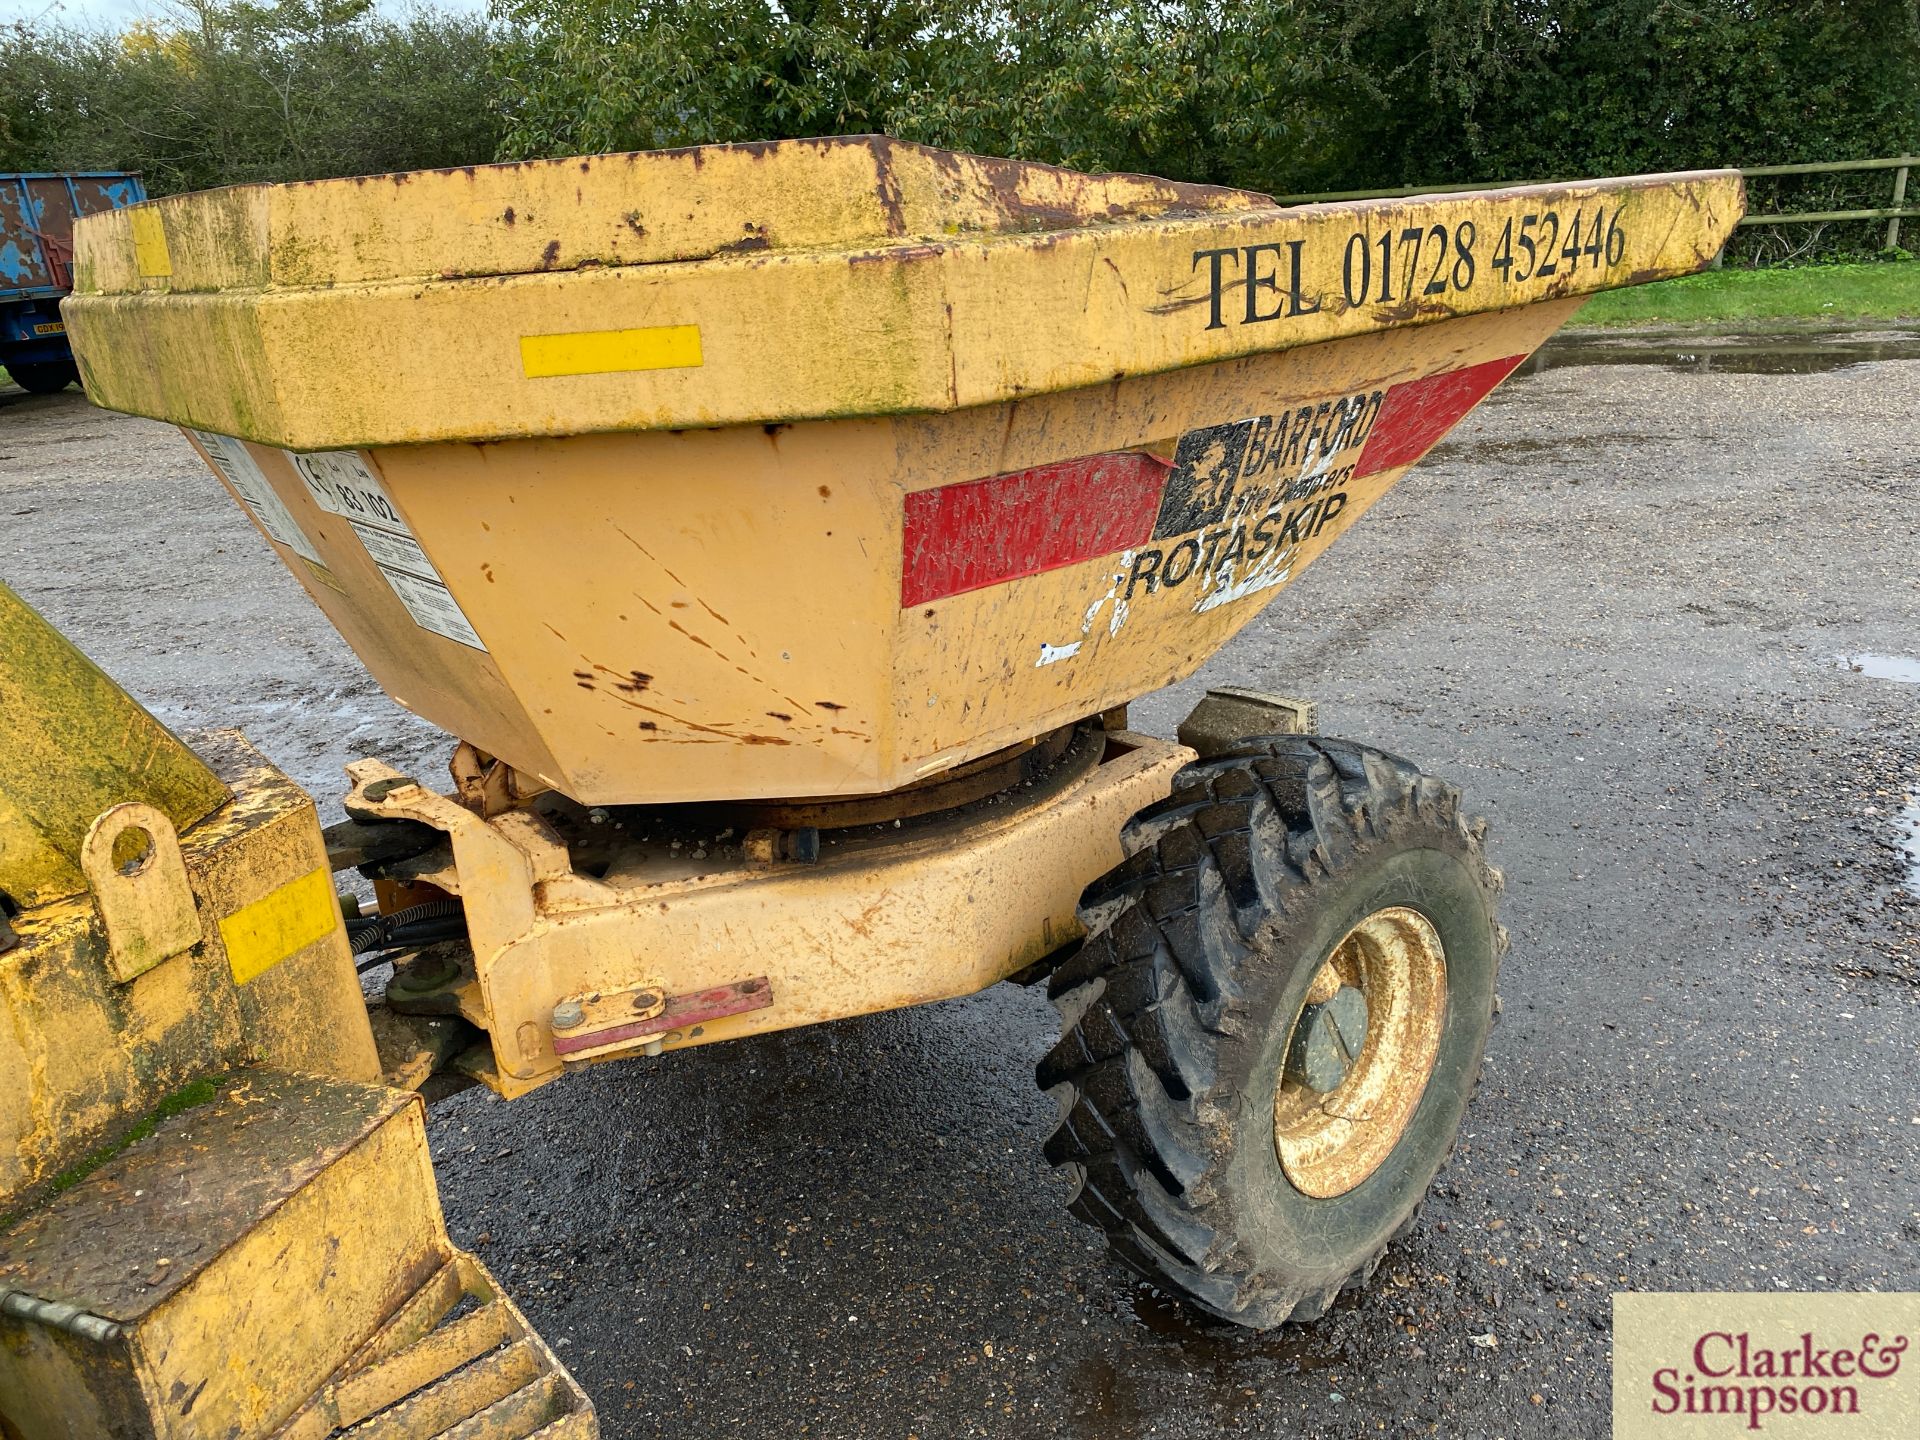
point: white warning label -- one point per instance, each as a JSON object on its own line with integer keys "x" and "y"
{"x": 231, "y": 459}
{"x": 432, "y": 606}
{"x": 393, "y": 551}
{"x": 341, "y": 483}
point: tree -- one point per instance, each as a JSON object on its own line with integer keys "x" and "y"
{"x": 221, "y": 92}
{"x": 592, "y": 75}
{"x": 1274, "y": 95}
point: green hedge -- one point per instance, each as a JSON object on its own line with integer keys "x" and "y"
{"x": 1276, "y": 95}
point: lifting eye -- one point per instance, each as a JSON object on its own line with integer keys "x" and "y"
{"x": 132, "y": 850}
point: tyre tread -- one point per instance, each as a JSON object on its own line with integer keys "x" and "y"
{"x": 1153, "y": 1000}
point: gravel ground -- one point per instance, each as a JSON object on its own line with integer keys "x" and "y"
{"x": 1616, "y": 606}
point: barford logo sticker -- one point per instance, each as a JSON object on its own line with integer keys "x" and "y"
{"x": 1208, "y": 517}
{"x": 1793, "y": 1365}
{"x": 1210, "y": 465}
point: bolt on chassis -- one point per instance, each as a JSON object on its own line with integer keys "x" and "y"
{"x": 783, "y": 530}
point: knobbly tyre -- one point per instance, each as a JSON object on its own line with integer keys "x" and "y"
{"x": 782, "y": 530}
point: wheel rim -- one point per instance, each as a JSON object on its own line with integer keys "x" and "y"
{"x": 1344, "y": 1101}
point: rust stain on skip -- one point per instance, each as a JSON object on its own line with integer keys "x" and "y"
{"x": 896, "y": 253}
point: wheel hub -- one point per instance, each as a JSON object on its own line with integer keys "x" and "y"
{"x": 1361, "y": 1052}
{"x": 1328, "y": 1040}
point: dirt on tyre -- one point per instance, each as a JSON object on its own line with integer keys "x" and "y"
{"x": 1274, "y": 1027}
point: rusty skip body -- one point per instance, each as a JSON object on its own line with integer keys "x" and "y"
{"x": 944, "y": 454}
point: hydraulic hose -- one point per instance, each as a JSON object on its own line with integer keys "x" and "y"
{"x": 372, "y": 935}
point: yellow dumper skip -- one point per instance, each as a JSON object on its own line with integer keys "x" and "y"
{"x": 849, "y": 490}
{"x": 821, "y": 467}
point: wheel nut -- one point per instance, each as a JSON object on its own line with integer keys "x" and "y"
{"x": 569, "y": 1015}
{"x": 1327, "y": 1040}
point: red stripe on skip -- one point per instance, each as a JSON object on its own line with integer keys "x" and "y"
{"x": 983, "y": 532}
{"x": 1415, "y": 415}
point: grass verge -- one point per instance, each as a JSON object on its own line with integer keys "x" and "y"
{"x": 1884, "y": 291}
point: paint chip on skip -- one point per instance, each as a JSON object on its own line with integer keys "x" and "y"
{"x": 1050, "y": 653}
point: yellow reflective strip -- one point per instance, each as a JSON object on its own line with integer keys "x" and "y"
{"x": 150, "y": 253}
{"x": 278, "y": 924}
{"x": 607, "y": 352}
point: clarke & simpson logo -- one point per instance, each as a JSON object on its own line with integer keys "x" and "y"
{"x": 1728, "y": 1374}
{"x": 1689, "y": 1366}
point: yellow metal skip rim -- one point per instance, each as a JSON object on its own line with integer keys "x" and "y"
{"x": 870, "y": 326}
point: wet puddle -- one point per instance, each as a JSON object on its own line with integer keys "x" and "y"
{"x": 1903, "y": 668}
{"x": 1222, "y": 1343}
{"x": 1729, "y": 354}
{"x": 1124, "y": 1396}
{"x": 1906, "y": 825}
{"x": 1906, "y": 829}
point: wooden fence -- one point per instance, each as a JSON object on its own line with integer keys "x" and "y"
{"x": 1893, "y": 213}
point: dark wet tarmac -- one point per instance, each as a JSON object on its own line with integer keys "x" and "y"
{"x": 1609, "y": 607}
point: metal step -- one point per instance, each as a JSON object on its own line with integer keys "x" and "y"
{"x": 457, "y": 1361}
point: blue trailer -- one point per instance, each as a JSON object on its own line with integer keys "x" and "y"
{"x": 36, "y": 257}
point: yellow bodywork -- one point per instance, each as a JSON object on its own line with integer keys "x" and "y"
{"x": 665, "y": 616}
{"x": 214, "y": 1218}
{"x": 847, "y": 277}
{"x": 88, "y": 1050}
{"x": 76, "y": 744}
{"x": 272, "y": 1262}
{"x": 936, "y": 912}
{"x": 778, "y": 472}
{"x": 646, "y": 474}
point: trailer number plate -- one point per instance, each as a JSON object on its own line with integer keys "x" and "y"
{"x": 54, "y": 328}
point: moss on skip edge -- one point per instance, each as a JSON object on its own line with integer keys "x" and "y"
{"x": 190, "y": 1096}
